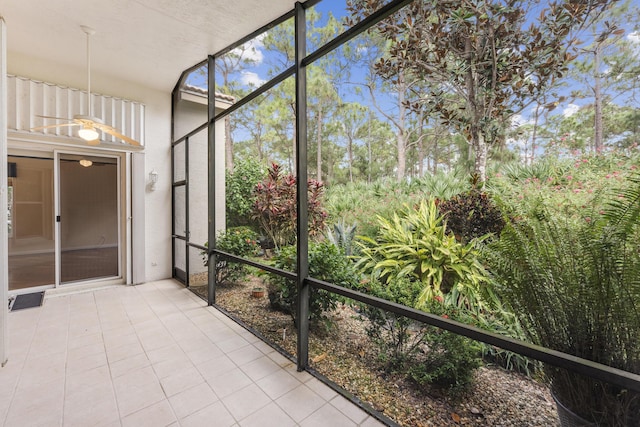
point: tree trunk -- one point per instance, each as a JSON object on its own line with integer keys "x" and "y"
{"x": 481, "y": 151}
{"x": 597, "y": 90}
{"x": 319, "y": 146}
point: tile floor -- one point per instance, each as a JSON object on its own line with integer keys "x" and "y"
{"x": 153, "y": 355}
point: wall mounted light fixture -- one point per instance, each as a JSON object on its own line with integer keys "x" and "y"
{"x": 153, "y": 179}
{"x": 85, "y": 162}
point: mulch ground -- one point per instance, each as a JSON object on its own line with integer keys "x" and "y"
{"x": 345, "y": 356}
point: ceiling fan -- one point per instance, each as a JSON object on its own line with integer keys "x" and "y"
{"x": 89, "y": 124}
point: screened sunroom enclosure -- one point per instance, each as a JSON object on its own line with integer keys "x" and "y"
{"x": 209, "y": 124}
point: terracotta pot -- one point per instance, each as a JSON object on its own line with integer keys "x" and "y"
{"x": 257, "y": 293}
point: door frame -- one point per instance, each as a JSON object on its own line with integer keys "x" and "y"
{"x": 58, "y": 153}
{"x": 124, "y": 176}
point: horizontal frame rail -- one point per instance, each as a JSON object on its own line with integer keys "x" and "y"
{"x": 576, "y": 364}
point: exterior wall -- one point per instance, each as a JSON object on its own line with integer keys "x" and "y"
{"x": 157, "y": 121}
{"x": 191, "y": 112}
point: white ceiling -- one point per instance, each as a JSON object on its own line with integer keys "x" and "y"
{"x": 147, "y": 42}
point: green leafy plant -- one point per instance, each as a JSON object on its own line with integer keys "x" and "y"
{"x": 576, "y": 288}
{"x": 275, "y": 206}
{"x": 398, "y": 338}
{"x": 343, "y": 236}
{"x": 426, "y": 354}
{"x": 240, "y": 241}
{"x": 239, "y": 191}
{"x": 326, "y": 262}
{"x": 415, "y": 244}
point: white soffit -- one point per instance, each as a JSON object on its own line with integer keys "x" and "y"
{"x": 147, "y": 42}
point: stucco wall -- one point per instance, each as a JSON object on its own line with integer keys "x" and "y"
{"x": 157, "y": 146}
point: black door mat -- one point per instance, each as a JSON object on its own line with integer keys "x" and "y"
{"x": 27, "y": 301}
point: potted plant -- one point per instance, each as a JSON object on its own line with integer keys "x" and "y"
{"x": 575, "y": 285}
{"x": 257, "y": 292}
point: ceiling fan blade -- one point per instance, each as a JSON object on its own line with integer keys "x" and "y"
{"x": 112, "y": 131}
{"x": 94, "y": 142}
{"x": 54, "y": 126}
{"x": 53, "y": 117}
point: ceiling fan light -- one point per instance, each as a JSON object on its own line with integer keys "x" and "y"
{"x": 88, "y": 133}
{"x": 86, "y": 162}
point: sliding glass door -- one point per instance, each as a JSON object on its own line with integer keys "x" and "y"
{"x": 31, "y": 222}
{"x": 64, "y": 233}
{"x": 88, "y": 217}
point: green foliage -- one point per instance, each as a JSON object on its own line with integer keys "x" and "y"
{"x": 240, "y": 241}
{"x": 275, "y": 206}
{"x": 398, "y": 338}
{"x": 472, "y": 215}
{"x": 576, "y": 288}
{"x": 326, "y": 262}
{"x": 426, "y": 354}
{"x": 414, "y": 244}
{"x": 239, "y": 190}
{"x": 342, "y": 236}
{"x": 361, "y": 203}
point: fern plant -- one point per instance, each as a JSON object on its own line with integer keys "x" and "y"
{"x": 576, "y": 289}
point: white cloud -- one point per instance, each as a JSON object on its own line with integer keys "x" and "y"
{"x": 250, "y": 78}
{"x": 570, "y": 110}
{"x": 519, "y": 120}
{"x": 634, "y": 37}
{"x": 251, "y": 50}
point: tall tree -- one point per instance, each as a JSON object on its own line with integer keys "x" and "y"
{"x": 605, "y": 63}
{"x": 497, "y": 56}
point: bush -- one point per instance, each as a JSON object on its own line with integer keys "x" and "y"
{"x": 576, "y": 287}
{"x": 426, "y": 354}
{"x": 471, "y": 215}
{"x": 239, "y": 188}
{"x": 240, "y": 241}
{"x": 326, "y": 262}
{"x": 275, "y": 207}
{"x": 414, "y": 244}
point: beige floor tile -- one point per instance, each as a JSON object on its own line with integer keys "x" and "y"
{"x": 371, "y": 422}
{"x": 300, "y": 402}
{"x": 278, "y": 383}
{"x": 153, "y": 355}
{"x": 192, "y": 400}
{"x": 328, "y": 415}
{"x": 81, "y": 382}
{"x": 204, "y": 417}
{"x": 246, "y": 401}
{"x": 260, "y": 368}
{"x": 94, "y": 406}
{"x": 349, "y": 409}
{"x": 156, "y": 415}
{"x": 75, "y": 366}
{"x": 181, "y": 380}
{"x": 269, "y": 416}
{"x": 245, "y": 354}
{"x": 129, "y": 364}
{"x": 229, "y": 382}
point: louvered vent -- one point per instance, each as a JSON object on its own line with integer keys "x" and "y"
{"x": 27, "y": 99}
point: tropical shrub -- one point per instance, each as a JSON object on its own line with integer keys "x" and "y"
{"x": 426, "y": 354}
{"x": 275, "y": 206}
{"x": 326, "y": 262}
{"x": 414, "y": 244}
{"x": 471, "y": 215}
{"x": 576, "y": 288}
{"x": 239, "y": 190}
{"x": 240, "y": 241}
{"x": 397, "y": 337}
{"x": 343, "y": 236}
